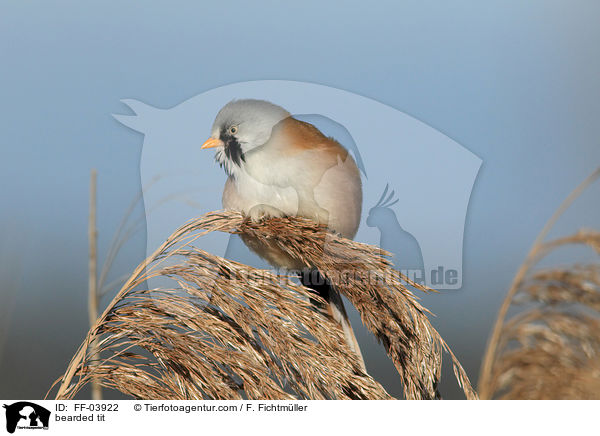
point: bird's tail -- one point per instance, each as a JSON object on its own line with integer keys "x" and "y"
{"x": 335, "y": 308}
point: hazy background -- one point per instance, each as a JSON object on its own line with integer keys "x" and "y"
{"x": 517, "y": 84}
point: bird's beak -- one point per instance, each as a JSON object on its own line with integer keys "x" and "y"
{"x": 212, "y": 143}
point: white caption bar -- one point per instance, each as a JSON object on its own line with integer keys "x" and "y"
{"x": 299, "y": 417}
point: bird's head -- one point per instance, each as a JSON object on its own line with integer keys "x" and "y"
{"x": 241, "y": 126}
{"x": 382, "y": 212}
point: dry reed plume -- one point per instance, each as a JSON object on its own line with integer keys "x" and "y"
{"x": 551, "y": 348}
{"x": 219, "y": 329}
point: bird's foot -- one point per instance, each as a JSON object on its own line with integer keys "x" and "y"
{"x": 261, "y": 212}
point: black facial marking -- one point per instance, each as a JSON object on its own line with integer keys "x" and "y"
{"x": 233, "y": 149}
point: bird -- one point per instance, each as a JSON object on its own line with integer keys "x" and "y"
{"x": 405, "y": 248}
{"x": 279, "y": 166}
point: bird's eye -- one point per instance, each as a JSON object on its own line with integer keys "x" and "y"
{"x": 233, "y": 130}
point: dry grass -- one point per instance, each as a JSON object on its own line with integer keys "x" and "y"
{"x": 223, "y": 330}
{"x": 551, "y": 348}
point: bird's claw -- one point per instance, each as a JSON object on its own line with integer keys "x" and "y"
{"x": 264, "y": 211}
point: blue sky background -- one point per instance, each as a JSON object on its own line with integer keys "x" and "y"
{"x": 515, "y": 82}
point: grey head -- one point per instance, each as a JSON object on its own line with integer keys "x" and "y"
{"x": 240, "y": 126}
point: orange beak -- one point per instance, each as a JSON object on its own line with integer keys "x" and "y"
{"x": 212, "y": 143}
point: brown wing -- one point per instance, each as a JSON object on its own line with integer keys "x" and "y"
{"x": 304, "y": 136}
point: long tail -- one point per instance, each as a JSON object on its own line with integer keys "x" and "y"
{"x": 335, "y": 307}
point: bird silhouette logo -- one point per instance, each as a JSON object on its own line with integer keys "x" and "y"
{"x": 404, "y": 247}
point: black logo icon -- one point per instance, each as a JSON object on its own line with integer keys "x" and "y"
{"x": 26, "y": 415}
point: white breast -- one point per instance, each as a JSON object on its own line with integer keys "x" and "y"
{"x": 303, "y": 185}
{"x": 245, "y": 193}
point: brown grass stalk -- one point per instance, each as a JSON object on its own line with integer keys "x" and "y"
{"x": 93, "y": 279}
{"x": 550, "y": 350}
{"x": 220, "y": 329}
